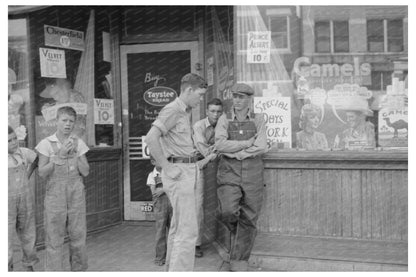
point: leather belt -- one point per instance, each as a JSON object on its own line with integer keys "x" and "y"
{"x": 186, "y": 160}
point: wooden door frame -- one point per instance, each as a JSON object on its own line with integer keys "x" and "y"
{"x": 132, "y": 210}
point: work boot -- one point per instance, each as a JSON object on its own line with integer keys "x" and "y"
{"x": 198, "y": 252}
{"x": 224, "y": 266}
{"x": 28, "y": 268}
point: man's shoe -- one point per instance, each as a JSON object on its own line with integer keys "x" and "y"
{"x": 224, "y": 266}
{"x": 198, "y": 252}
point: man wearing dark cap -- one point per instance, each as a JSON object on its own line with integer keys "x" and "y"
{"x": 240, "y": 137}
{"x": 172, "y": 132}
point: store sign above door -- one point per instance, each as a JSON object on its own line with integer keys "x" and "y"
{"x": 64, "y": 38}
{"x": 159, "y": 96}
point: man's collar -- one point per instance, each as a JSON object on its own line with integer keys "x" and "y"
{"x": 248, "y": 115}
{"x": 181, "y": 105}
{"x": 53, "y": 138}
{"x": 207, "y": 123}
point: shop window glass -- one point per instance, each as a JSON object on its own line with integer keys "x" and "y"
{"x": 375, "y": 35}
{"x": 18, "y": 85}
{"x": 342, "y": 102}
{"x": 341, "y": 36}
{"x": 278, "y": 27}
{"x": 395, "y": 35}
{"x": 322, "y": 36}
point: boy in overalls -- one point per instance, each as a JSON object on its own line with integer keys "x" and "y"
{"x": 62, "y": 162}
{"x": 21, "y": 214}
{"x": 162, "y": 210}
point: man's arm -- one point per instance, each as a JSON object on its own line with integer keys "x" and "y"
{"x": 199, "y": 140}
{"x": 260, "y": 143}
{"x": 153, "y": 142}
{"x": 45, "y": 166}
{"x": 83, "y": 165}
{"x": 223, "y": 144}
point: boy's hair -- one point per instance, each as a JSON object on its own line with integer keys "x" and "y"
{"x": 193, "y": 80}
{"x": 214, "y": 102}
{"x": 66, "y": 110}
{"x": 11, "y": 130}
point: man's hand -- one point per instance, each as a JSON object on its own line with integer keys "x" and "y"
{"x": 158, "y": 192}
{"x": 251, "y": 141}
{"x": 202, "y": 163}
{"x": 172, "y": 171}
{"x": 66, "y": 147}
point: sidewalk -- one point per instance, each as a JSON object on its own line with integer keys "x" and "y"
{"x": 126, "y": 247}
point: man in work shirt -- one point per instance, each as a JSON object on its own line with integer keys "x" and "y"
{"x": 204, "y": 139}
{"x": 180, "y": 169}
{"x": 241, "y": 141}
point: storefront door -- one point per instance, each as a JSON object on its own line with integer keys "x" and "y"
{"x": 151, "y": 75}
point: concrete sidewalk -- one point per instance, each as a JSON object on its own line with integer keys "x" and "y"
{"x": 125, "y": 247}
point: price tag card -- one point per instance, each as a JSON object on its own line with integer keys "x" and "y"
{"x": 258, "y": 47}
{"x": 103, "y": 111}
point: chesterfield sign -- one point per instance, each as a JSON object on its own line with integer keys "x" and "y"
{"x": 64, "y": 38}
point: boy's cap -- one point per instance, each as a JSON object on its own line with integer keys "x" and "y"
{"x": 242, "y": 89}
{"x": 194, "y": 80}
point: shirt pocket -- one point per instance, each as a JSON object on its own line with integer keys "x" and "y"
{"x": 182, "y": 126}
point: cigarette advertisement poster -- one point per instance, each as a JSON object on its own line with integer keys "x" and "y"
{"x": 52, "y": 63}
{"x": 393, "y": 127}
{"x": 277, "y": 115}
{"x": 258, "y": 47}
{"x": 103, "y": 111}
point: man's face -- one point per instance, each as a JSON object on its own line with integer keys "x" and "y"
{"x": 195, "y": 96}
{"x": 12, "y": 143}
{"x": 65, "y": 124}
{"x": 214, "y": 112}
{"x": 241, "y": 101}
{"x": 353, "y": 119}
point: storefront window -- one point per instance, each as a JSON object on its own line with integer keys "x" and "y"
{"x": 18, "y": 88}
{"x": 395, "y": 35}
{"x": 323, "y": 36}
{"x": 375, "y": 35}
{"x": 341, "y": 36}
{"x": 334, "y": 99}
{"x": 279, "y": 31}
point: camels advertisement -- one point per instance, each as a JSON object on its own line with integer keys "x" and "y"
{"x": 393, "y": 127}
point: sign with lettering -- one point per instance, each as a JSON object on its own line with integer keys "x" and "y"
{"x": 64, "y": 38}
{"x": 326, "y": 76}
{"x": 393, "y": 127}
{"x": 258, "y": 47}
{"x": 52, "y": 63}
{"x": 277, "y": 115}
{"x": 159, "y": 96}
{"x": 103, "y": 111}
{"x": 147, "y": 207}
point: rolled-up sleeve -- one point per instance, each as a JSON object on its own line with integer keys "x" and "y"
{"x": 166, "y": 120}
{"x": 222, "y": 144}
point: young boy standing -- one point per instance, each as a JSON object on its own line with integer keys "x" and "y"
{"x": 62, "y": 162}
{"x": 21, "y": 215}
{"x": 162, "y": 210}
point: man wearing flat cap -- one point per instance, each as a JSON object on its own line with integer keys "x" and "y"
{"x": 240, "y": 138}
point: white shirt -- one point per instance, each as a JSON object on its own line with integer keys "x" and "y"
{"x": 151, "y": 177}
{"x": 20, "y": 155}
{"x": 45, "y": 147}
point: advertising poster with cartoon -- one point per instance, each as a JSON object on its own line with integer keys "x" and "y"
{"x": 335, "y": 113}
